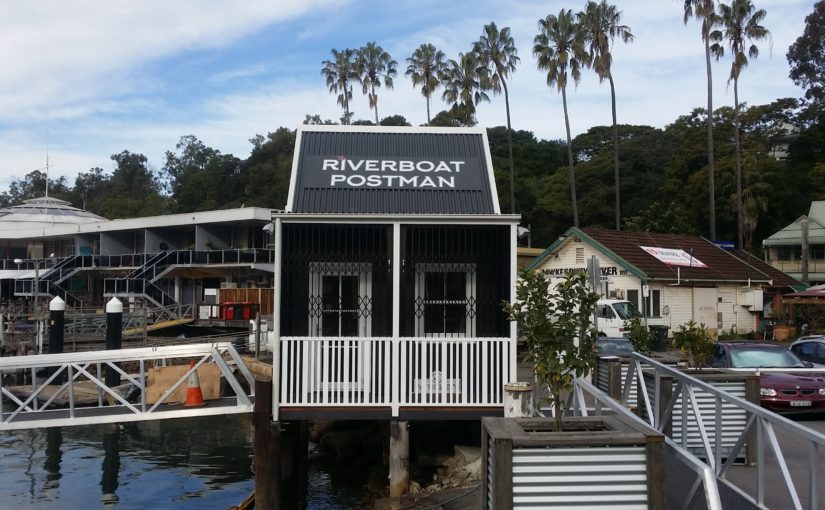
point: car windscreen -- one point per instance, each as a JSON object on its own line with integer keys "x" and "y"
{"x": 626, "y": 310}
{"x": 764, "y": 358}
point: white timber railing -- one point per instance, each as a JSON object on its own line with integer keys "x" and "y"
{"x": 382, "y": 371}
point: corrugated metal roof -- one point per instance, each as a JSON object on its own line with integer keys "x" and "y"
{"x": 394, "y": 171}
{"x": 713, "y": 263}
{"x": 792, "y": 234}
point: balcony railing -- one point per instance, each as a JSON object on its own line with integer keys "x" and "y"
{"x": 380, "y": 371}
{"x": 795, "y": 266}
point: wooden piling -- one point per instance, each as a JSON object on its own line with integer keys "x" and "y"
{"x": 399, "y": 458}
{"x": 267, "y": 446}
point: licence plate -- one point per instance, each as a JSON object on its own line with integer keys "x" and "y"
{"x": 800, "y": 403}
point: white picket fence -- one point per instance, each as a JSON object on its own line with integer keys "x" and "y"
{"x": 354, "y": 371}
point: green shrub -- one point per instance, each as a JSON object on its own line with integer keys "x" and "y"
{"x": 695, "y": 341}
{"x": 639, "y": 335}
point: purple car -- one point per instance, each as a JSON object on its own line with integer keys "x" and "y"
{"x": 782, "y": 393}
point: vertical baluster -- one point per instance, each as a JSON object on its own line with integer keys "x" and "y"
{"x": 464, "y": 372}
{"x": 326, "y": 371}
{"x": 483, "y": 364}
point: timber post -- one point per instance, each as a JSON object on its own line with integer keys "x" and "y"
{"x": 518, "y": 400}
{"x": 399, "y": 458}
{"x": 267, "y": 446}
{"x": 114, "y": 336}
{"x": 57, "y": 310}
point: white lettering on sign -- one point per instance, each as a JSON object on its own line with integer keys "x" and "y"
{"x": 342, "y": 172}
{"x": 673, "y": 256}
{"x": 383, "y": 165}
{"x": 605, "y": 271}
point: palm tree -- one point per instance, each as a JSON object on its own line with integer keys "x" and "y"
{"x": 497, "y": 55}
{"x": 464, "y": 85}
{"x": 741, "y": 23}
{"x": 375, "y": 67}
{"x": 601, "y": 24}
{"x": 424, "y": 68}
{"x": 558, "y": 48}
{"x": 340, "y": 72}
{"x": 704, "y": 10}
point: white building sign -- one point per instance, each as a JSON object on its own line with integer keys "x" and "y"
{"x": 419, "y": 173}
{"x": 673, "y": 257}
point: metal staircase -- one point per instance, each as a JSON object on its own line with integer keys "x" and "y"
{"x": 141, "y": 281}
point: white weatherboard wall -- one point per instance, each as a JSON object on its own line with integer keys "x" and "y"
{"x": 574, "y": 255}
{"x": 679, "y": 304}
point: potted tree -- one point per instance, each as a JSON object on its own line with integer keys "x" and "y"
{"x": 556, "y": 323}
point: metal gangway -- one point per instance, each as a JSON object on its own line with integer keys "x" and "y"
{"x": 61, "y": 378}
{"x": 784, "y": 473}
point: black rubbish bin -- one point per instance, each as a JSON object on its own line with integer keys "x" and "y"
{"x": 659, "y": 341}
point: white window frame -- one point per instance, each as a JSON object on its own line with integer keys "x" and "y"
{"x": 421, "y": 271}
{"x": 359, "y": 269}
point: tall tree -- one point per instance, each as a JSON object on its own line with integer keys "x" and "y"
{"x": 807, "y": 55}
{"x": 375, "y": 68}
{"x": 601, "y": 23}
{"x": 340, "y": 72}
{"x": 741, "y": 24}
{"x": 424, "y": 68}
{"x": 464, "y": 85}
{"x": 705, "y": 11}
{"x": 133, "y": 189}
{"x": 498, "y": 57}
{"x": 559, "y": 48}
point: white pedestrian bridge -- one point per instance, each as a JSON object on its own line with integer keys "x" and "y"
{"x": 71, "y": 388}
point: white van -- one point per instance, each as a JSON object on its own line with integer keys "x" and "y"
{"x": 611, "y": 315}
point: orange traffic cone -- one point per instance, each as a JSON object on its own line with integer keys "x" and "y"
{"x": 194, "y": 397}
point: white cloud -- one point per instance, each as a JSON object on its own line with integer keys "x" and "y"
{"x": 85, "y": 71}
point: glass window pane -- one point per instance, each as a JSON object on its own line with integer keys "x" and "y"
{"x": 329, "y": 323}
{"x": 454, "y": 319}
{"x": 349, "y": 324}
{"x": 433, "y": 319}
{"x": 455, "y": 286}
{"x": 433, "y": 286}
{"x": 329, "y": 292}
{"x": 349, "y": 292}
{"x": 633, "y": 297}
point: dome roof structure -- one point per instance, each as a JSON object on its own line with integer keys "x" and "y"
{"x": 44, "y": 211}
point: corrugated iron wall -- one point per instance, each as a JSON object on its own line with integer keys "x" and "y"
{"x": 603, "y": 477}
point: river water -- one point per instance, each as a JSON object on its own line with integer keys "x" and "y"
{"x": 198, "y": 463}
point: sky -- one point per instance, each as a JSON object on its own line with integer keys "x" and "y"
{"x": 86, "y": 79}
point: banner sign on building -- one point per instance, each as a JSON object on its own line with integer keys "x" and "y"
{"x": 392, "y": 173}
{"x": 673, "y": 256}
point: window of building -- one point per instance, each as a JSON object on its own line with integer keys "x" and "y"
{"x": 789, "y": 252}
{"x": 818, "y": 251}
{"x": 445, "y": 303}
{"x": 633, "y": 297}
{"x": 340, "y": 301}
{"x": 652, "y": 304}
{"x": 579, "y": 255}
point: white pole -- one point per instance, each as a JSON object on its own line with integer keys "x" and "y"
{"x": 396, "y": 316}
{"x": 276, "y": 319}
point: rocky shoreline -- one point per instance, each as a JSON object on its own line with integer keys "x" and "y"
{"x": 442, "y": 470}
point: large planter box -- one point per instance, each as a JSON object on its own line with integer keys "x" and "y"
{"x": 596, "y": 462}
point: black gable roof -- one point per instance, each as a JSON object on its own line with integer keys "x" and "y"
{"x": 358, "y": 169}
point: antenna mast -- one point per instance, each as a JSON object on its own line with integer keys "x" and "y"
{"x": 46, "y": 168}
